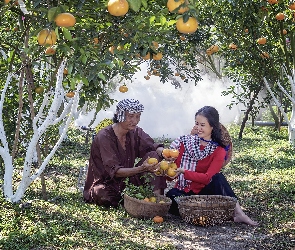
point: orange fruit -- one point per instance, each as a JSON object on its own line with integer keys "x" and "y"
{"x": 152, "y": 161}
{"x": 280, "y": 16}
{"x": 272, "y": 1}
{"x": 164, "y": 165}
{"x": 173, "y": 165}
{"x": 261, "y": 40}
{"x": 187, "y": 27}
{"x": 174, "y": 153}
{"x": 95, "y": 40}
{"x": 147, "y": 56}
{"x": 171, "y": 172}
{"x": 46, "y": 37}
{"x": 6, "y": 1}
{"x": 214, "y": 48}
{"x": 50, "y": 51}
{"x": 285, "y": 32}
{"x": 292, "y": 6}
{"x": 246, "y": 30}
{"x": 158, "y": 56}
{"x": 39, "y": 89}
{"x": 155, "y": 45}
{"x": 111, "y": 49}
{"x": 153, "y": 199}
{"x": 146, "y": 199}
{"x": 118, "y": 7}
{"x": 123, "y": 89}
{"x": 70, "y": 94}
{"x": 233, "y": 46}
{"x": 158, "y": 219}
{"x": 172, "y": 5}
{"x": 166, "y": 152}
{"x": 66, "y": 71}
{"x": 264, "y": 55}
{"x": 209, "y": 52}
{"x": 65, "y": 20}
{"x": 147, "y": 77}
{"x": 177, "y": 74}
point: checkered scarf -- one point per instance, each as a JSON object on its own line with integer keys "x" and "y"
{"x": 191, "y": 155}
{"x": 130, "y": 105}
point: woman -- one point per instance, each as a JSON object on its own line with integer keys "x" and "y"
{"x": 114, "y": 152}
{"x": 200, "y": 160}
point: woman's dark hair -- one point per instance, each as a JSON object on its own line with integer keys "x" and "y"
{"x": 115, "y": 119}
{"x": 213, "y": 119}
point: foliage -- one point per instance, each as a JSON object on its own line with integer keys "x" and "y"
{"x": 261, "y": 174}
{"x": 139, "y": 192}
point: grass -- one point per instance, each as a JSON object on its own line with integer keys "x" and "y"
{"x": 261, "y": 173}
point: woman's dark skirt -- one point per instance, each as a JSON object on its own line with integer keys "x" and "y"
{"x": 218, "y": 186}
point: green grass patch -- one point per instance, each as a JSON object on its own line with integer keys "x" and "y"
{"x": 261, "y": 173}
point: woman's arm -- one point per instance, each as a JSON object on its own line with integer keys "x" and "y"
{"x": 213, "y": 168}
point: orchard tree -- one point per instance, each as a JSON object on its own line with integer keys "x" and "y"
{"x": 58, "y": 56}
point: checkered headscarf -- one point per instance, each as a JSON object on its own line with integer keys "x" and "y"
{"x": 191, "y": 155}
{"x": 130, "y": 105}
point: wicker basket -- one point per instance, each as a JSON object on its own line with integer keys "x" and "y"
{"x": 144, "y": 209}
{"x": 206, "y": 210}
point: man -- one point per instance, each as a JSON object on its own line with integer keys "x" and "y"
{"x": 114, "y": 151}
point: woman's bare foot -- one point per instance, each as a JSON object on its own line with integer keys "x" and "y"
{"x": 241, "y": 217}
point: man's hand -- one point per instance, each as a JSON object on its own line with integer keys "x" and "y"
{"x": 150, "y": 167}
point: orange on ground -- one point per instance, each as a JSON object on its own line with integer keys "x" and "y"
{"x": 153, "y": 199}
{"x": 65, "y": 20}
{"x": 46, "y": 37}
{"x": 146, "y": 199}
{"x": 118, "y": 7}
{"x": 172, "y": 5}
{"x": 123, "y": 89}
{"x": 158, "y": 219}
{"x": 187, "y": 27}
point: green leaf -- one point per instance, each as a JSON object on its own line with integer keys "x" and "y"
{"x": 67, "y": 34}
{"x": 144, "y": 3}
{"x": 52, "y": 12}
{"x": 84, "y": 59}
{"x": 163, "y": 20}
{"x": 134, "y": 5}
{"x": 85, "y": 81}
{"x": 152, "y": 19}
{"x": 101, "y": 76}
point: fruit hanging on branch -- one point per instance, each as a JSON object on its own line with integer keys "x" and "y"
{"x": 233, "y": 46}
{"x": 39, "y": 89}
{"x": 46, "y": 37}
{"x": 187, "y": 26}
{"x": 173, "y": 5}
{"x": 280, "y": 16}
{"x": 50, "y": 51}
{"x": 118, "y": 7}
{"x": 123, "y": 89}
{"x": 261, "y": 40}
{"x": 70, "y": 94}
{"x": 65, "y": 20}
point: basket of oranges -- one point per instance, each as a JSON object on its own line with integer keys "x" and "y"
{"x": 206, "y": 210}
{"x": 142, "y": 202}
{"x": 149, "y": 207}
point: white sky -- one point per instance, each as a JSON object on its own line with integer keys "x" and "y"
{"x": 169, "y": 112}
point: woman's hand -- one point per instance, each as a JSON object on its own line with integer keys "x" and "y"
{"x": 180, "y": 171}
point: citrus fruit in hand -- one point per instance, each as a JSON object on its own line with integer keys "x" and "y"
{"x": 152, "y": 161}
{"x": 173, "y": 165}
{"x": 164, "y": 165}
{"x": 171, "y": 172}
{"x": 166, "y": 152}
{"x": 174, "y": 153}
